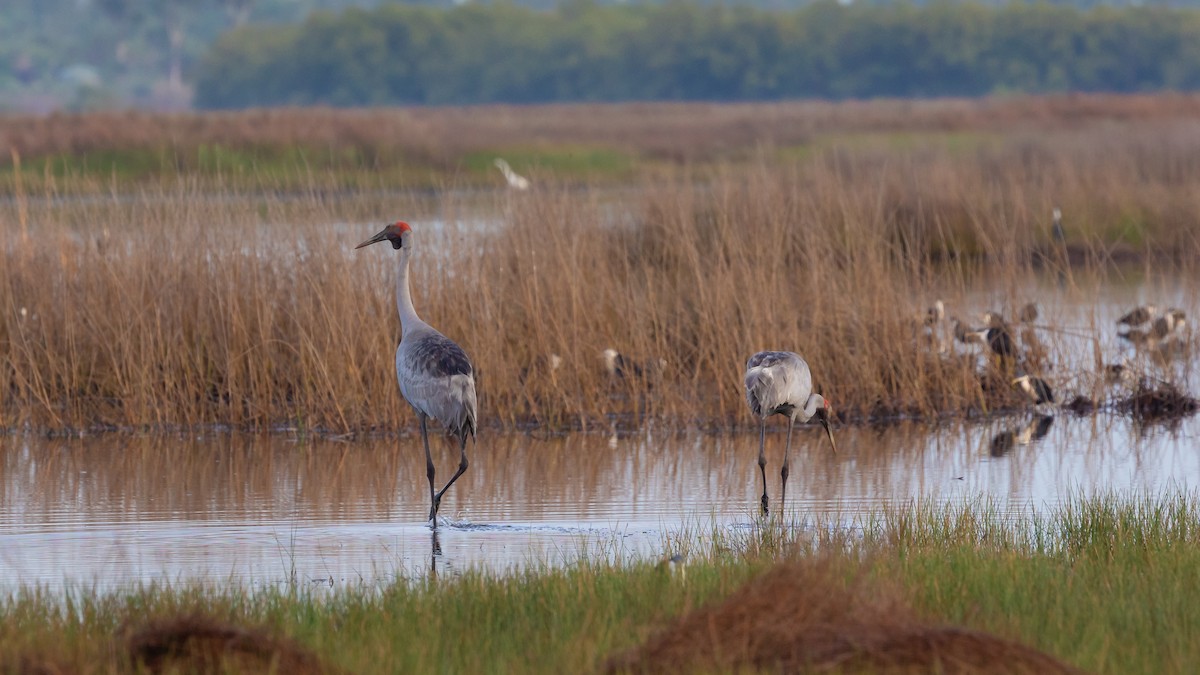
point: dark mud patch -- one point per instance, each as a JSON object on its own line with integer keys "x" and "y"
{"x": 1163, "y": 401}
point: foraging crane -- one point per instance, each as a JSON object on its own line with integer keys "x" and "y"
{"x": 781, "y": 383}
{"x": 435, "y": 375}
{"x": 515, "y": 180}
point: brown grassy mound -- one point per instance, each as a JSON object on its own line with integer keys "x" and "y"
{"x": 30, "y": 665}
{"x": 801, "y": 617}
{"x": 1158, "y": 402}
{"x": 200, "y": 644}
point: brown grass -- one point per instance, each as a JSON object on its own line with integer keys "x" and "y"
{"x": 676, "y": 131}
{"x": 200, "y": 644}
{"x": 29, "y": 665}
{"x": 176, "y": 306}
{"x": 802, "y": 617}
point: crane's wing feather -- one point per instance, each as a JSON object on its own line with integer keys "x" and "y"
{"x": 777, "y": 382}
{"x": 437, "y": 379}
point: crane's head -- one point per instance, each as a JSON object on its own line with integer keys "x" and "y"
{"x": 824, "y": 412}
{"x": 398, "y": 233}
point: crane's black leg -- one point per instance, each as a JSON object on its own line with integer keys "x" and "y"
{"x": 762, "y": 460}
{"x": 429, "y": 471}
{"x": 462, "y": 466}
{"x": 787, "y": 451}
{"x": 434, "y": 553}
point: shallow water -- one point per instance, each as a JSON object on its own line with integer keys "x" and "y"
{"x": 113, "y": 510}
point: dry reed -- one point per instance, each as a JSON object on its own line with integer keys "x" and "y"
{"x": 179, "y": 307}
{"x": 801, "y": 617}
{"x": 676, "y": 131}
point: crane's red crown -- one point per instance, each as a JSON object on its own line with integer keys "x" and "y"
{"x": 393, "y": 233}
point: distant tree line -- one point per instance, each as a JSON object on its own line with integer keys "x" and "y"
{"x": 582, "y": 51}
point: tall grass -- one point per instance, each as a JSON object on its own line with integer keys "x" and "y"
{"x": 427, "y": 145}
{"x": 178, "y": 306}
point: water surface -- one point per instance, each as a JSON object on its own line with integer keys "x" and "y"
{"x": 259, "y": 510}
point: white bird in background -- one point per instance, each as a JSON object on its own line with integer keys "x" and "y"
{"x": 435, "y": 375}
{"x": 515, "y": 180}
{"x": 781, "y": 383}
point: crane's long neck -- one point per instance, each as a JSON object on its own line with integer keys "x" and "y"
{"x": 815, "y": 402}
{"x": 408, "y": 314}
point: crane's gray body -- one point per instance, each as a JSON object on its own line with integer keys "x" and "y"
{"x": 778, "y": 383}
{"x": 436, "y": 378}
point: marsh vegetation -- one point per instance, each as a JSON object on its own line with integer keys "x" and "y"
{"x": 1100, "y": 584}
{"x": 177, "y": 305}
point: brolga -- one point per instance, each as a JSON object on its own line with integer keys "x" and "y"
{"x": 515, "y": 180}
{"x": 780, "y": 383}
{"x": 435, "y": 375}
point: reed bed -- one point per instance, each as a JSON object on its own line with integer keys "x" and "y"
{"x": 424, "y": 144}
{"x": 179, "y": 307}
{"x": 1099, "y": 584}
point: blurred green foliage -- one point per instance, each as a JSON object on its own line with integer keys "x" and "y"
{"x": 585, "y": 51}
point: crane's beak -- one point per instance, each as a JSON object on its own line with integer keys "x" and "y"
{"x": 382, "y": 236}
{"x": 823, "y": 417}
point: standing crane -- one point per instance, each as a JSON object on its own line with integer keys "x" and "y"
{"x": 435, "y": 375}
{"x": 781, "y": 383}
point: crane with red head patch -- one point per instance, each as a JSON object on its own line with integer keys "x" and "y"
{"x": 393, "y": 233}
{"x": 435, "y": 375}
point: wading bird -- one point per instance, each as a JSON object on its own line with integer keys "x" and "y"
{"x": 1170, "y": 323}
{"x": 1138, "y": 315}
{"x": 620, "y": 366}
{"x": 781, "y": 383}
{"x": 1035, "y": 388}
{"x": 1056, "y": 228}
{"x": 435, "y": 375}
{"x": 515, "y": 180}
{"x": 997, "y": 336}
{"x": 967, "y": 335}
{"x": 1028, "y": 313}
{"x": 936, "y": 313}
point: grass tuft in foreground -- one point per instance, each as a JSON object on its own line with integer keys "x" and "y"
{"x": 1102, "y": 584}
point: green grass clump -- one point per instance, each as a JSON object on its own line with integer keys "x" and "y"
{"x": 1104, "y": 584}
